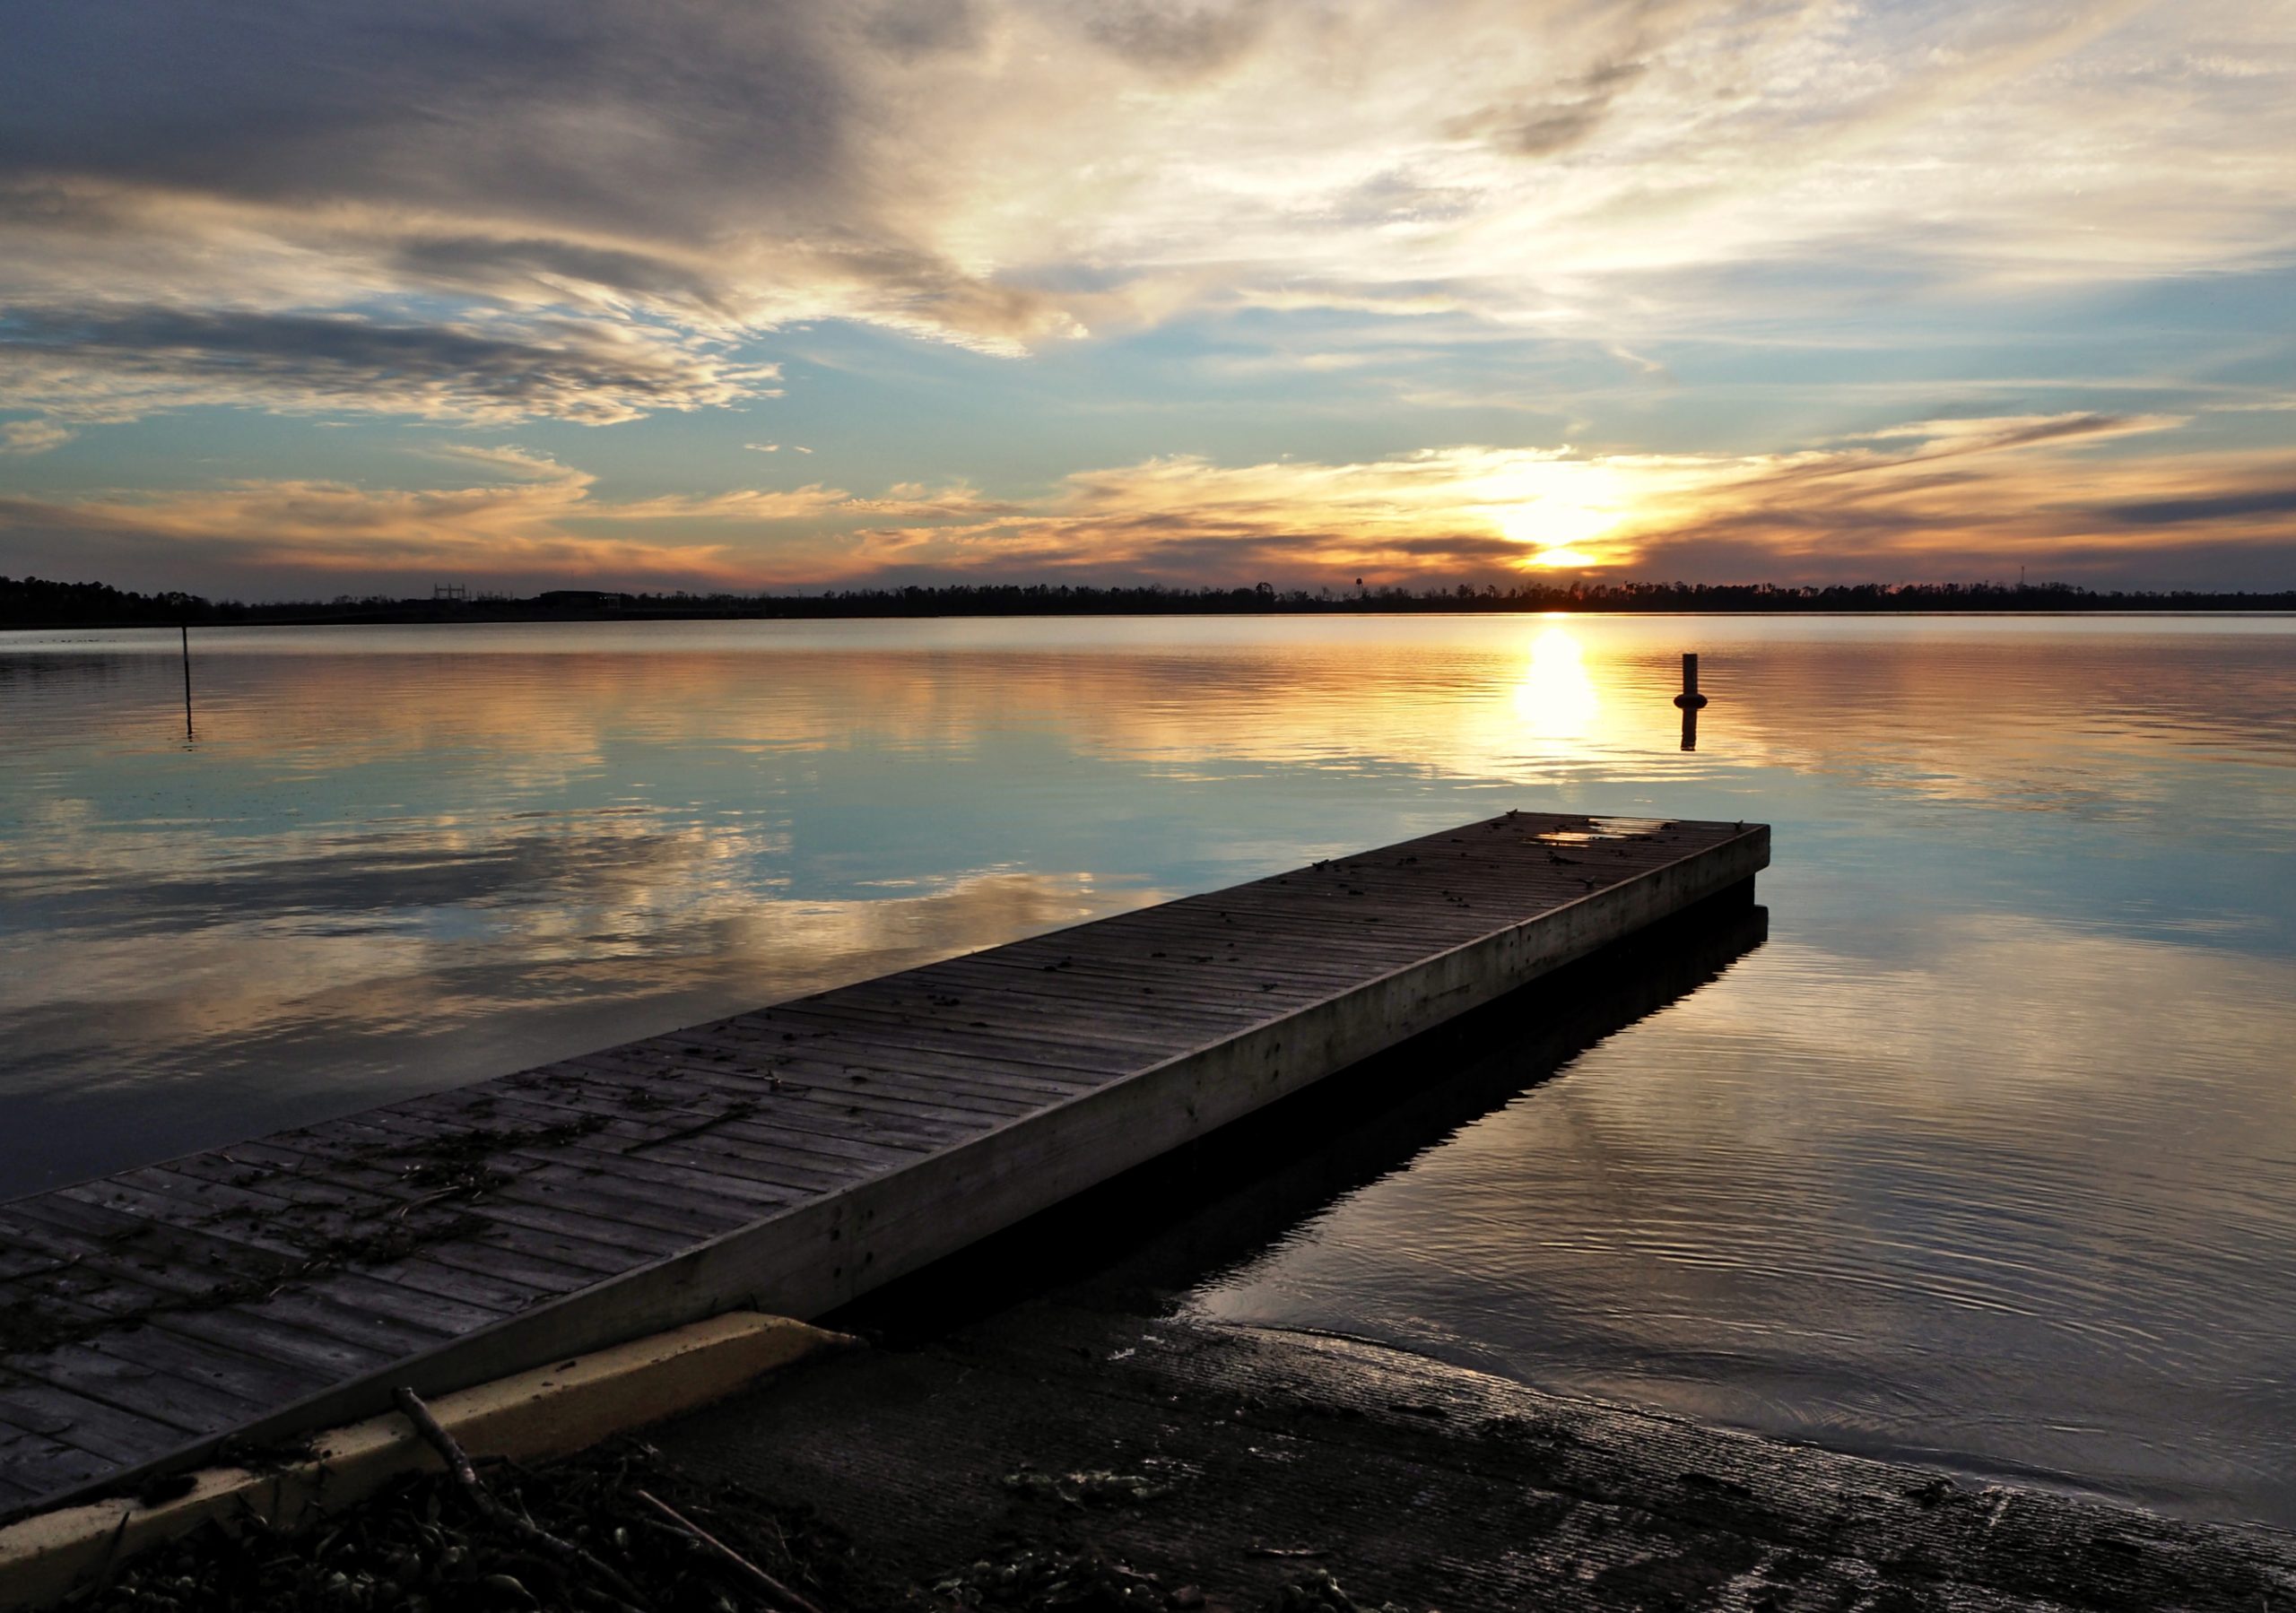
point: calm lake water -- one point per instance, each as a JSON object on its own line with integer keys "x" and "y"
{"x": 1987, "y": 1157}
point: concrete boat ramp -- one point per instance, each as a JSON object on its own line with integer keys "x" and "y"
{"x": 789, "y": 1160}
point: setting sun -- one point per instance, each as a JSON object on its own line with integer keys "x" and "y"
{"x": 1553, "y": 506}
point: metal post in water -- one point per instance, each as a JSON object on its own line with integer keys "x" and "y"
{"x": 1689, "y": 701}
{"x": 185, "y": 628}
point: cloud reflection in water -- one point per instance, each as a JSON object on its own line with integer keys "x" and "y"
{"x": 1984, "y": 1155}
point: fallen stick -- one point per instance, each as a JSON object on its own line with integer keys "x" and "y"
{"x": 412, "y": 1205}
{"x": 465, "y": 1478}
{"x": 773, "y": 1586}
{"x": 738, "y": 1111}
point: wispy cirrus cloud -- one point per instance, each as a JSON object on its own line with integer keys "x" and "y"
{"x": 32, "y": 436}
{"x": 488, "y": 213}
{"x": 316, "y": 538}
{"x": 116, "y": 363}
{"x": 1008, "y": 172}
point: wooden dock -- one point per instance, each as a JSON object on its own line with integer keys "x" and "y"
{"x": 789, "y": 1160}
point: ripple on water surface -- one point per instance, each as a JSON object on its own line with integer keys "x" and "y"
{"x": 1986, "y": 1155}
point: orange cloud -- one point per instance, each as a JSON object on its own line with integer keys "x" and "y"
{"x": 1932, "y": 498}
{"x": 1954, "y": 494}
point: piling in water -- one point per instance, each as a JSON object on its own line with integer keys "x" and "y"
{"x": 1690, "y": 699}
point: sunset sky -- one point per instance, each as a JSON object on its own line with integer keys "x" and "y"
{"x": 300, "y": 299}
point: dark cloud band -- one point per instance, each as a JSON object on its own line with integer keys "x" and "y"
{"x": 108, "y": 362}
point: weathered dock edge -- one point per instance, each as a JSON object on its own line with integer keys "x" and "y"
{"x": 807, "y": 1260}
{"x": 1210, "y": 1057}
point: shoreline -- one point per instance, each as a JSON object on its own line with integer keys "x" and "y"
{"x": 1079, "y": 1452}
{"x": 2274, "y": 612}
{"x": 33, "y": 602}
{"x": 1236, "y": 1460}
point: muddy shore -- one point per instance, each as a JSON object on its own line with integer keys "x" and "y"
{"x": 1228, "y": 1460}
{"x": 1062, "y": 1458}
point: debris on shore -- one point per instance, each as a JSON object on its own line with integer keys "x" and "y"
{"x": 646, "y": 1537}
{"x": 421, "y": 1546}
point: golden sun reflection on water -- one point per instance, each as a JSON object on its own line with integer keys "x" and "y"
{"x": 1555, "y": 697}
{"x": 2007, "y": 1075}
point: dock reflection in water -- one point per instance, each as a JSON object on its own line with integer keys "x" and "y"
{"x": 1988, "y": 1153}
{"x": 1149, "y": 1236}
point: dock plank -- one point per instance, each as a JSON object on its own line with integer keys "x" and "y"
{"x": 62, "y": 1416}
{"x": 793, "y": 1156}
{"x": 170, "y": 1372}
{"x": 790, "y": 1115}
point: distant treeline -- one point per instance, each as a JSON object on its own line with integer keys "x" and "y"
{"x": 34, "y": 603}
